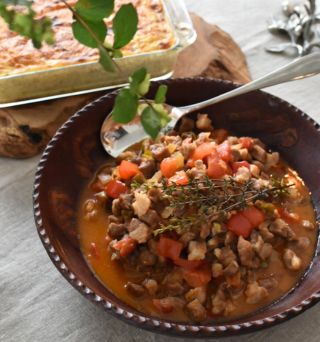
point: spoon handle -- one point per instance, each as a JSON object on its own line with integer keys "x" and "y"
{"x": 298, "y": 69}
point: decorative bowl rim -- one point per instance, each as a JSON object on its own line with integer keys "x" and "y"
{"x": 154, "y": 324}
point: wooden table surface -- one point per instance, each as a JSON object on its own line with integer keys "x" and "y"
{"x": 37, "y": 304}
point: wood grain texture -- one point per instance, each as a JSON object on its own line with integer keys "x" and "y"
{"x": 26, "y": 130}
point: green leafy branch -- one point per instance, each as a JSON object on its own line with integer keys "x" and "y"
{"x": 24, "y": 22}
{"x": 90, "y": 30}
{"x": 131, "y": 102}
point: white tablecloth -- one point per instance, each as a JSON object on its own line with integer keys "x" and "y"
{"x": 36, "y": 302}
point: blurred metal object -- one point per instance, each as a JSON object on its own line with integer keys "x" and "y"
{"x": 301, "y": 25}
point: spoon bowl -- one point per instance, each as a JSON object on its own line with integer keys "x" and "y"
{"x": 116, "y": 137}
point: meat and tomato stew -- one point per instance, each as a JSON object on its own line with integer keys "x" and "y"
{"x": 198, "y": 226}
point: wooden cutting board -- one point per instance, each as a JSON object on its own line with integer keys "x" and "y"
{"x": 26, "y": 130}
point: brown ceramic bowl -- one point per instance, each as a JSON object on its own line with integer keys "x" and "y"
{"x": 75, "y": 153}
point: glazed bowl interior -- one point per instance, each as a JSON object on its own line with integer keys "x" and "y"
{"x": 75, "y": 153}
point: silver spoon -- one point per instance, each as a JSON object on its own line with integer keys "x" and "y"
{"x": 117, "y": 137}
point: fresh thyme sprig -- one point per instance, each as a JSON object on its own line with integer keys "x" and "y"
{"x": 214, "y": 199}
{"x": 177, "y": 224}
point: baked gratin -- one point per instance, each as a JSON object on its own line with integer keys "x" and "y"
{"x": 19, "y": 56}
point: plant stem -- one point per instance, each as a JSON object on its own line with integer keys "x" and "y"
{"x": 92, "y": 34}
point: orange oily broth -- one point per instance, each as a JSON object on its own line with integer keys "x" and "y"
{"x": 112, "y": 275}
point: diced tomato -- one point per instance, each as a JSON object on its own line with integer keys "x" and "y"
{"x": 201, "y": 152}
{"x": 189, "y": 264}
{"x": 125, "y": 246}
{"x": 115, "y": 188}
{"x": 180, "y": 178}
{"x": 217, "y": 168}
{"x": 246, "y": 142}
{"x": 236, "y": 165}
{"x": 127, "y": 169}
{"x": 254, "y": 215}
{"x": 163, "y": 305}
{"x": 169, "y": 166}
{"x": 197, "y": 278}
{"x": 288, "y": 217}
{"x": 224, "y": 151}
{"x": 169, "y": 248}
{"x": 239, "y": 225}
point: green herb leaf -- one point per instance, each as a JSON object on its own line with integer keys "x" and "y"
{"x": 94, "y": 10}
{"x": 105, "y": 60}
{"x": 161, "y": 94}
{"x": 136, "y": 79}
{"x": 25, "y": 24}
{"x": 151, "y": 122}
{"x": 126, "y": 105}
{"x": 124, "y": 24}
{"x": 85, "y": 37}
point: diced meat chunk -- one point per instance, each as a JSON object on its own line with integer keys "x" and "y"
{"x": 151, "y": 285}
{"x": 242, "y": 175}
{"x": 174, "y": 288}
{"x": 255, "y": 171}
{"x": 196, "y": 293}
{"x": 219, "y": 300}
{"x": 199, "y": 171}
{"x": 159, "y": 152}
{"x": 217, "y": 270}
{"x": 135, "y": 290}
{"x": 291, "y": 260}
{"x": 151, "y": 217}
{"x": 125, "y": 201}
{"x": 255, "y": 293}
{"x": 168, "y": 304}
{"x": 246, "y": 252}
{"x": 187, "y": 147}
{"x": 141, "y": 204}
{"x": 302, "y": 243}
{"x": 272, "y": 159}
{"x": 269, "y": 283}
{"x": 225, "y": 255}
{"x": 265, "y": 251}
{"x": 147, "y": 167}
{"x": 196, "y": 311}
{"x": 197, "y": 250}
{"x": 204, "y": 123}
{"x": 258, "y": 153}
{"x": 140, "y": 233}
{"x": 281, "y": 228}
{"x": 231, "y": 269}
{"x": 116, "y": 230}
{"x": 147, "y": 258}
{"x": 186, "y": 237}
{"x": 265, "y": 232}
{"x": 307, "y": 224}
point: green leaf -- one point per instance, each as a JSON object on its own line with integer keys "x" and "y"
{"x": 125, "y": 108}
{"x": 161, "y": 94}
{"x": 136, "y": 79}
{"x": 145, "y": 85}
{"x": 94, "y": 10}
{"x": 151, "y": 122}
{"x": 124, "y": 24}
{"x": 23, "y": 23}
{"x": 82, "y": 34}
{"x": 105, "y": 60}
